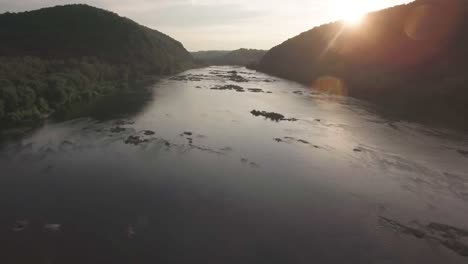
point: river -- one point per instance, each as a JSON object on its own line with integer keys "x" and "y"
{"x": 190, "y": 175}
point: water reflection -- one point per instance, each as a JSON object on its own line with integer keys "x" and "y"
{"x": 192, "y": 175}
{"x": 108, "y": 107}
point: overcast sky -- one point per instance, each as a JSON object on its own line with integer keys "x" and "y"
{"x": 221, "y": 24}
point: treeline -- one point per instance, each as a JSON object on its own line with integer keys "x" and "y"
{"x": 75, "y": 31}
{"x": 31, "y": 88}
{"x": 410, "y": 60}
{"x": 240, "y": 57}
{"x": 57, "y": 56}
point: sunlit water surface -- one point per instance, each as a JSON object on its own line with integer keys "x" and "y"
{"x": 339, "y": 185}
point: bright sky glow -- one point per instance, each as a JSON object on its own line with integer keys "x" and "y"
{"x": 226, "y": 24}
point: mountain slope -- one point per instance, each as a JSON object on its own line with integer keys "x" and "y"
{"x": 242, "y": 57}
{"x": 53, "y": 57}
{"x": 209, "y": 56}
{"x": 410, "y": 60}
{"x": 81, "y": 30}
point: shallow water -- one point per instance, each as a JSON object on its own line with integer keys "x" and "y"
{"x": 216, "y": 184}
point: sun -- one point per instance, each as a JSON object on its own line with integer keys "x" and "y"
{"x": 353, "y": 12}
{"x": 353, "y": 19}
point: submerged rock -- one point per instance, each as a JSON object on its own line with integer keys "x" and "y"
{"x": 292, "y": 140}
{"x": 254, "y": 165}
{"x": 226, "y": 149}
{"x": 402, "y": 228}
{"x": 178, "y": 78}
{"x": 255, "y": 90}
{"x": 233, "y": 76}
{"x": 135, "y": 140}
{"x": 67, "y": 143}
{"x": 269, "y": 115}
{"x": 448, "y": 229}
{"x": 272, "y": 115}
{"x": 457, "y": 246}
{"x": 20, "y": 225}
{"x": 229, "y": 87}
{"x": 189, "y": 77}
{"x": 130, "y": 231}
{"x": 117, "y": 129}
{"x": 52, "y": 227}
{"x": 453, "y": 238}
{"x": 463, "y": 152}
{"x": 148, "y": 132}
{"x": 238, "y": 78}
{"x": 123, "y": 122}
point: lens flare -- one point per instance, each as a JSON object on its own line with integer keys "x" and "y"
{"x": 330, "y": 85}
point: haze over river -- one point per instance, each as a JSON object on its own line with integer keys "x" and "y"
{"x": 191, "y": 176}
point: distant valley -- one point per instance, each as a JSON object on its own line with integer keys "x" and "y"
{"x": 409, "y": 60}
{"x": 240, "y": 57}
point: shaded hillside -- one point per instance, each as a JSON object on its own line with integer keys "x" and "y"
{"x": 411, "y": 60}
{"x": 209, "y": 56}
{"x": 82, "y": 31}
{"x": 55, "y": 56}
{"x": 242, "y": 57}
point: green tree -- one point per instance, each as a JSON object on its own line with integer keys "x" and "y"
{"x": 9, "y": 96}
{"x": 42, "y": 105}
{"x": 26, "y": 97}
{"x": 2, "y": 109}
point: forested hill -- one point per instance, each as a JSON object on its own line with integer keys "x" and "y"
{"x": 75, "y": 31}
{"x": 241, "y": 57}
{"x": 56, "y": 56}
{"x": 209, "y": 56}
{"x": 410, "y": 60}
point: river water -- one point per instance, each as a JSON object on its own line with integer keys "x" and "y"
{"x": 189, "y": 175}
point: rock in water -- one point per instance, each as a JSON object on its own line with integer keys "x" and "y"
{"x": 148, "y": 132}
{"x": 20, "y": 225}
{"x": 269, "y": 115}
{"x": 52, "y": 227}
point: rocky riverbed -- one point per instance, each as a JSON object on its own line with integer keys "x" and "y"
{"x": 228, "y": 165}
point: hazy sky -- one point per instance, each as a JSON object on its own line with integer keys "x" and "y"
{"x": 223, "y": 24}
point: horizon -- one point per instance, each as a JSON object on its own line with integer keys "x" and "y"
{"x": 204, "y": 25}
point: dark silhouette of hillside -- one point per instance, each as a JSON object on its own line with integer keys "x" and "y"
{"x": 75, "y": 31}
{"x": 209, "y": 56}
{"x": 410, "y": 60}
{"x": 241, "y": 57}
{"x": 60, "y": 55}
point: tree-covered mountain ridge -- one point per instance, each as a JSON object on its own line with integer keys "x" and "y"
{"x": 410, "y": 60}
{"x": 80, "y": 30}
{"x": 55, "y": 56}
{"x": 240, "y": 57}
